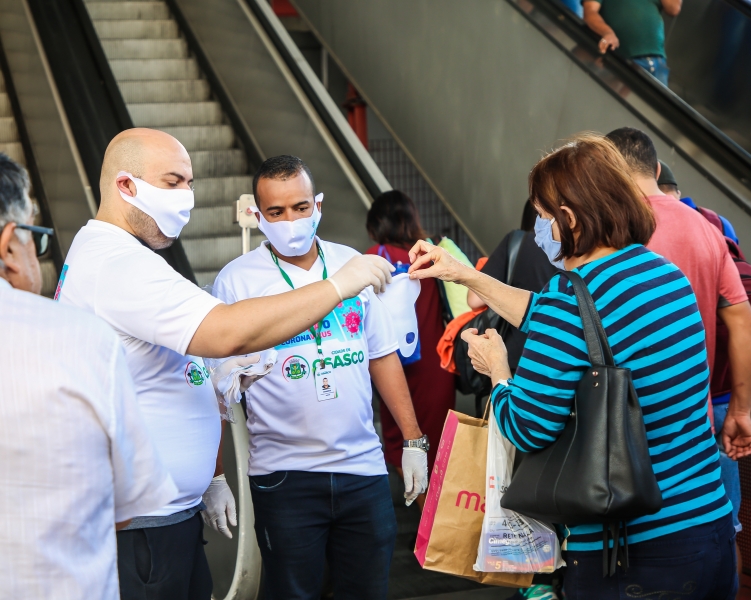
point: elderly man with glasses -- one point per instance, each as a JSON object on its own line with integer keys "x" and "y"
{"x": 77, "y": 458}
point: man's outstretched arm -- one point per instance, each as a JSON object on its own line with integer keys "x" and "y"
{"x": 260, "y": 323}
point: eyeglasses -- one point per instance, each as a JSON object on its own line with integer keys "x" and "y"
{"x": 41, "y": 236}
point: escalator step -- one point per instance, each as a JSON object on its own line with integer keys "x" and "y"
{"x": 184, "y": 90}
{"x": 8, "y": 129}
{"x": 203, "y": 137}
{"x": 128, "y": 10}
{"x": 206, "y": 254}
{"x": 213, "y": 221}
{"x": 215, "y": 163}
{"x": 5, "y": 109}
{"x": 114, "y": 29}
{"x": 170, "y": 114}
{"x": 212, "y": 191}
{"x": 154, "y": 69}
{"x": 14, "y": 150}
{"x": 119, "y": 49}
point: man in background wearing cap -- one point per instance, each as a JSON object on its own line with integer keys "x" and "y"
{"x": 721, "y": 383}
{"x": 317, "y": 473}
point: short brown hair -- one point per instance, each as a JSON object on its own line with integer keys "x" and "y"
{"x": 590, "y": 177}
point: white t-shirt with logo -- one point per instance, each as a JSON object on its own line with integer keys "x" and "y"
{"x": 156, "y": 312}
{"x": 290, "y": 428}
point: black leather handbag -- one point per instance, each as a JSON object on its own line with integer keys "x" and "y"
{"x": 599, "y": 469}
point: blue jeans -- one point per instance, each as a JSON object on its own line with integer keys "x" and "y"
{"x": 656, "y": 66}
{"x": 729, "y": 473}
{"x": 303, "y": 519}
{"x": 697, "y": 563}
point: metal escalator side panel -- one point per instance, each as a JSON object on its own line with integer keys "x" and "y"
{"x": 484, "y": 92}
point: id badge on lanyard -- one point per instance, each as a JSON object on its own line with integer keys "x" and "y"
{"x": 323, "y": 371}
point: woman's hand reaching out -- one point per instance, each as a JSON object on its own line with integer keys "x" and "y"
{"x": 488, "y": 354}
{"x": 444, "y": 266}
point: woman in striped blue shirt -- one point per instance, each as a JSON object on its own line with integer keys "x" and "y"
{"x": 592, "y": 218}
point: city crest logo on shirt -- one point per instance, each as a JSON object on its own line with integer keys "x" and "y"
{"x": 196, "y": 375}
{"x": 295, "y": 368}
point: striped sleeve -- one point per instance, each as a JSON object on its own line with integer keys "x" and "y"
{"x": 533, "y": 409}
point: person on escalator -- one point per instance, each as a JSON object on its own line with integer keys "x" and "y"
{"x": 394, "y": 224}
{"x": 166, "y": 324}
{"x": 317, "y": 473}
{"x": 77, "y": 459}
{"x": 633, "y": 29}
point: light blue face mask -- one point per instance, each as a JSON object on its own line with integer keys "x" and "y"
{"x": 544, "y": 239}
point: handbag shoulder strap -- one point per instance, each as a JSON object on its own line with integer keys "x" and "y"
{"x": 598, "y": 346}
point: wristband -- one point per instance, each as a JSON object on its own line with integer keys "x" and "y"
{"x": 336, "y": 287}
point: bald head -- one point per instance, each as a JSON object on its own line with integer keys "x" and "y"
{"x": 143, "y": 153}
{"x": 154, "y": 156}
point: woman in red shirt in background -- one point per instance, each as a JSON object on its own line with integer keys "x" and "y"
{"x": 394, "y": 224}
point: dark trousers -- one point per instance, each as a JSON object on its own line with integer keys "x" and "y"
{"x": 164, "y": 563}
{"x": 694, "y": 564}
{"x": 304, "y": 519}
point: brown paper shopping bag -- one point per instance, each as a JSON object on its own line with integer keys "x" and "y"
{"x": 451, "y": 522}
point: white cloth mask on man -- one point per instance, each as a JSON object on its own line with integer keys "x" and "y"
{"x": 400, "y": 297}
{"x": 291, "y": 238}
{"x": 170, "y": 209}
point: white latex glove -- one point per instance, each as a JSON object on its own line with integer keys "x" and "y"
{"x": 415, "y": 469}
{"x": 360, "y": 272}
{"x": 220, "y": 506}
{"x": 226, "y": 367}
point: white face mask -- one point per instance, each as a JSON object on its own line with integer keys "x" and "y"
{"x": 169, "y": 208}
{"x": 291, "y": 238}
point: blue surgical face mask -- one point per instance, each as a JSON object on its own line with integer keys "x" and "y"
{"x": 544, "y": 239}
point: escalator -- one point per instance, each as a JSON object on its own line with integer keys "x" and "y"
{"x": 11, "y": 146}
{"x": 490, "y": 84}
{"x": 34, "y": 132}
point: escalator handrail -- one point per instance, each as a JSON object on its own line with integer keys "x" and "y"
{"x": 742, "y": 6}
{"x": 31, "y": 165}
{"x": 252, "y": 148}
{"x": 699, "y": 130}
{"x": 363, "y": 164}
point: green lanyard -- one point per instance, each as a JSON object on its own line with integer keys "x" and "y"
{"x": 315, "y": 331}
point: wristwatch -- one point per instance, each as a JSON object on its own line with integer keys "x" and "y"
{"x": 421, "y": 443}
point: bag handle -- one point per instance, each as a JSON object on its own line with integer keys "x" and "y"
{"x": 486, "y": 412}
{"x": 598, "y": 346}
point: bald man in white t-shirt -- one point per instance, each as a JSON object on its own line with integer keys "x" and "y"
{"x": 166, "y": 324}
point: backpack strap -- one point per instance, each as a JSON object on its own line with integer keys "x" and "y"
{"x": 712, "y": 217}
